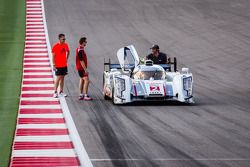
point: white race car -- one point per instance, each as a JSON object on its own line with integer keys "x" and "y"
{"x": 131, "y": 81}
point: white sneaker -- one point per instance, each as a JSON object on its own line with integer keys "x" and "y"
{"x": 63, "y": 94}
{"x": 55, "y": 95}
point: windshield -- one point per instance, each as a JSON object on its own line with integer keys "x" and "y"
{"x": 149, "y": 75}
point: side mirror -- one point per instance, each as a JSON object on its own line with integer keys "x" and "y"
{"x": 184, "y": 70}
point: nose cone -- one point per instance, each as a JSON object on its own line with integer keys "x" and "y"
{"x": 155, "y": 88}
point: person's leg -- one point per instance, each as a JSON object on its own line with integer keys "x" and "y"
{"x": 57, "y": 80}
{"x": 61, "y": 86}
{"x": 86, "y": 85}
{"x": 81, "y": 81}
{"x": 85, "y": 88}
{"x": 61, "y": 83}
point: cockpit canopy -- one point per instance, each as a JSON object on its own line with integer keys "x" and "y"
{"x": 143, "y": 72}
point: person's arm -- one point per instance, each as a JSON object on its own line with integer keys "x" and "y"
{"x": 53, "y": 60}
{"x": 80, "y": 55}
{"x": 68, "y": 52}
{"x": 84, "y": 66}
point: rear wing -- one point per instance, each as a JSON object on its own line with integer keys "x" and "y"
{"x": 167, "y": 67}
{"x": 170, "y": 65}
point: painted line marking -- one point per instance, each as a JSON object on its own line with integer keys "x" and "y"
{"x": 46, "y": 161}
{"x": 44, "y": 153}
{"x": 36, "y": 59}
{"x": 40, "y": 120}
{"x": 40, "y": 107}
{"x": 34, "y": 98}
{"x": 37, "y": 82}
{"x": 38, "y": 73}
{"x": 38, "y": 85}
{"x": 39, "y": 111}
{"x": 41, "y": 132}
{"x": 37, "y": 88}
{"x": 42, "y": 145}
{"x": 41, "y": 64}
{"x": 38, "y": 79}
{"x": 39, "y": 92}
{"x": 32, "y": 102}
{"x": 52, "y": 116}
{"x": 42, "y": 126}
{"x": 43, "y": 138}
{"x": 38, "y": 97}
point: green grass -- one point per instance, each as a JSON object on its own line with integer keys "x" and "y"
{"x": 12, "y": 33}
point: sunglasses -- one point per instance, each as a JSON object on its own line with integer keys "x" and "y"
{"x": 63, "y": 39}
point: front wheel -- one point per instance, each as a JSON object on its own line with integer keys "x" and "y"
{"x": 104, "y": 91}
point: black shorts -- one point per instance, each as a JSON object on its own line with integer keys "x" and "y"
{"x": 61, "y": 71}
{"x": 82, "y": 73}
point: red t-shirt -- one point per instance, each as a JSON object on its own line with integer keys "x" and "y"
{"x": 80, "y": 56}
{"x": 60, "y": 51}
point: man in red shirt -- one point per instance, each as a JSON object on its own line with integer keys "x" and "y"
{"x": 81, "y": 66}
{"x": 60, "y": 55}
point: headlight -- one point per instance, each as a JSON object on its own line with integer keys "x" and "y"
{"x": 120, "y": 86}
{"x": 187, "y": 85}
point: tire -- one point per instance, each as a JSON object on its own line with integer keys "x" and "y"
{"x": 113, "y": 99}
{"x": 104, "y": 95}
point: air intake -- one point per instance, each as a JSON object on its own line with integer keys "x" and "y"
{"x": 148, "y": 62}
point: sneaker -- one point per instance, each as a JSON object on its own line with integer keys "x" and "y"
{"x": 63, "y": 94}
{"x": 87, "y": 98}
{"x": 55, "y": 95}
{"x": 81, "y": 97}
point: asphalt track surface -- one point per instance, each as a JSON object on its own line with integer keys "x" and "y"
{"x": 211, "y": 37}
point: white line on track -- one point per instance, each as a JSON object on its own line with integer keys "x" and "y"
{"x": 38, "y": 85}
{"x": 38, "y": 92}
{"x": 51, "y": 138}
{"x": 30, "y": 38}
{"x": 36, "y": 45}
{"x": 44, "y": 153}
{"x": 33, "y": 19}
{"x": 41, "y": 126}
{"x": 30, "y": 2}
{"x": 60, "y": 115}
{"x": 36, "y": 59}
{"x": 38, "y": 73}
{"x": 40, "y": 107}
{"x": 37, "y": 79}
{"x": 35, "y": 27}
{"x": 35, "y": 50}
{"x": 33, "y": 9}
{"x": 35, "y": 33}
{"x": 43, "y": 63}
{"x": 39, "y": 99}
{"x": 33, "y": 6}
{"x": 34, "y": 30}
{"x": 36, "y": 54}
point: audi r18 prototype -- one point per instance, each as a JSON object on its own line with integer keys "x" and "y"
{"x": 131, "y": 80}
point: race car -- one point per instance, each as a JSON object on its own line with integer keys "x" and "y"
{"x": 131, "y": 80}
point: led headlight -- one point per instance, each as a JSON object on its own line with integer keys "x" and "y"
{"x": 187, "y": 85}
{"x": 120, "y": 86}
